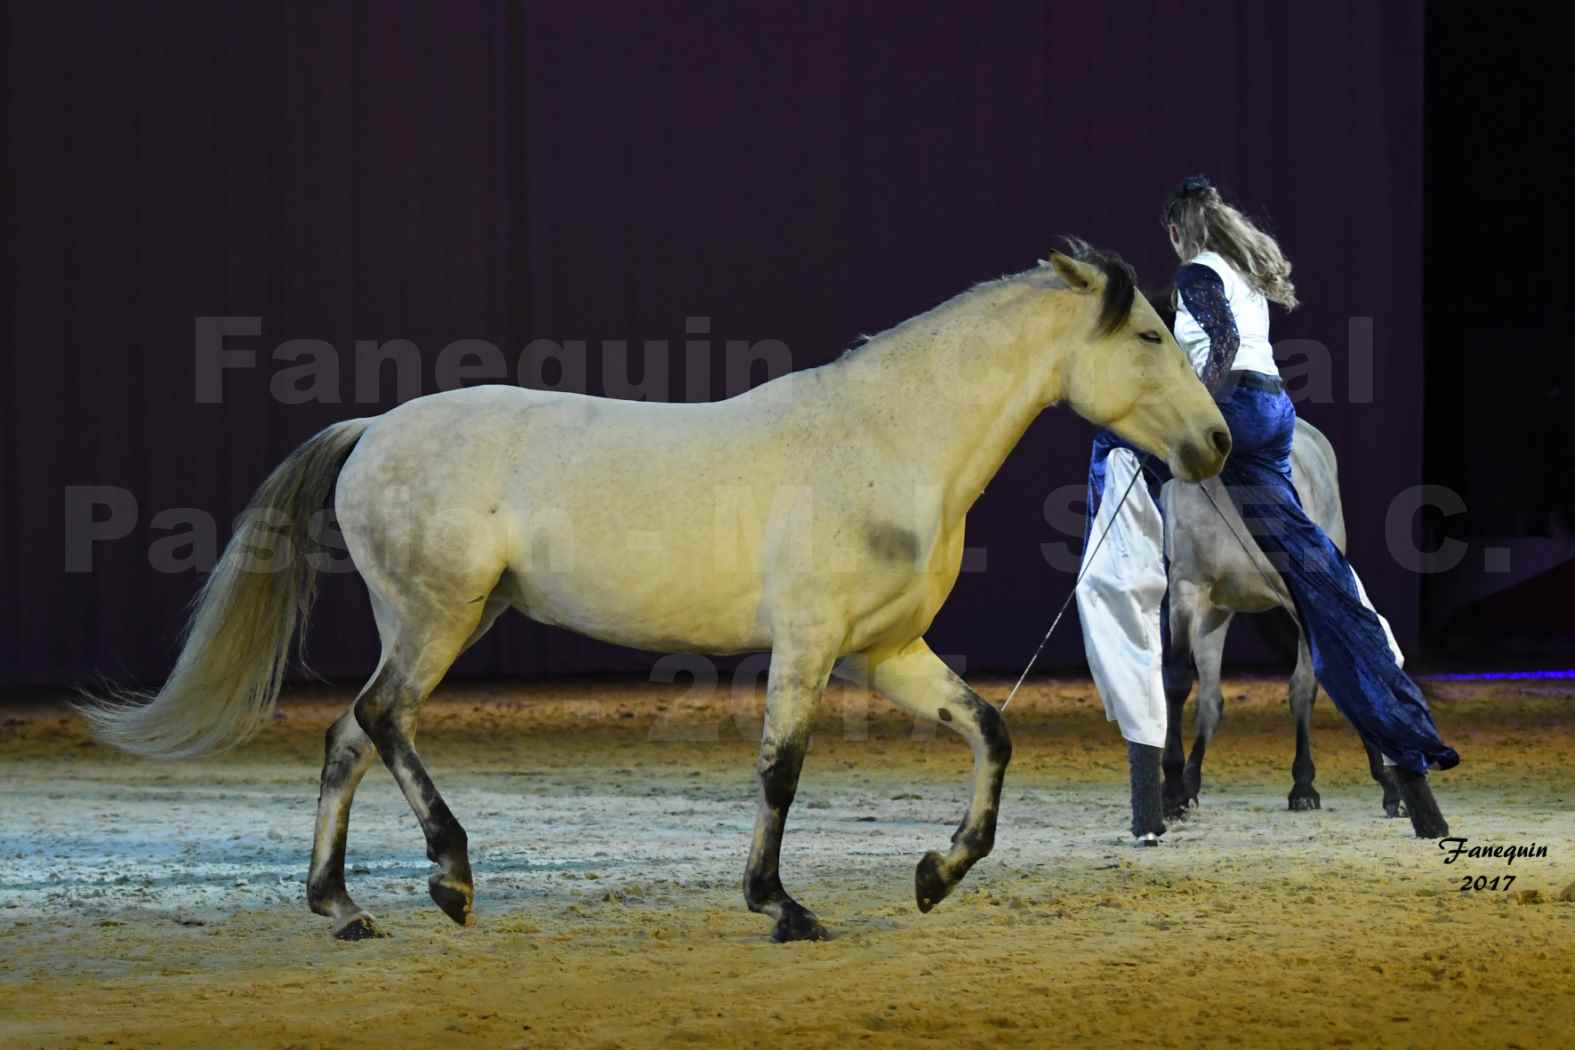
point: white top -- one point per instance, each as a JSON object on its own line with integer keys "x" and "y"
{"x": 1250, "y": 311}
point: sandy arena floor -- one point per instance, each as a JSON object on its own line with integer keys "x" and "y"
{"x": 149, "y": 904}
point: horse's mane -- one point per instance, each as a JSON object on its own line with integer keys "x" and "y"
{"x": 1115, "y": 304}
{"x": 1120, "y": 283}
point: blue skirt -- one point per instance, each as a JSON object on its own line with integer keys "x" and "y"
{"x": 1350, "y": 652}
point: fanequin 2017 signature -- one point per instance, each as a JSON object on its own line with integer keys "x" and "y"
{"x": 1455, "y": 848}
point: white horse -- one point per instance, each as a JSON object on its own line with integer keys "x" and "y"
{"x": 1218, "y": 570}
{"x": 819, "y": 516}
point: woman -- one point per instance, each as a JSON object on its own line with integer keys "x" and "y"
{"x": 1230, "y": 272}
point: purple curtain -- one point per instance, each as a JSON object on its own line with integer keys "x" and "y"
{"x": 800, "y": 173}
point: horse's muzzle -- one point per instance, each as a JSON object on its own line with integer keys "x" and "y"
{"x": 1196, "y": 460}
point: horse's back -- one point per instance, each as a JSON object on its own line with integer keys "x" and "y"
{"x": 656, "y": 525}
{"x": 1315, "y": 473}
{"x": 576, "y": 505}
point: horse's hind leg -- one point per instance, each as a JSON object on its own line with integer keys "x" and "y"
{"x": 1304, "y": 690}
{"x": 348, "y": 755}
{"x": 421, "y": 639}
{"x": 793, "y": 687}
{"x": 917, "y": 681}
{"x": 1384, "y": 775}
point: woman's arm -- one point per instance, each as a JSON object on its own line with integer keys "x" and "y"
{"x": 1203, "y": 294}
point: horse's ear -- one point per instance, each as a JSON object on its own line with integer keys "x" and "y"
{"x": 1079, "y": 276}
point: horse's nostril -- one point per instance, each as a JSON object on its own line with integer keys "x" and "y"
{"x": 1221, "y": 439}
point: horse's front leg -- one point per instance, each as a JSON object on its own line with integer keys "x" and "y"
{"x": 1208, "y": 652}
{"x": 1178, "y": 674}
{"x": 916, "y": 680}
{"x": 797, "y": 678}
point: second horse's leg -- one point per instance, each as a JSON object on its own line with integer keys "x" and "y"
{"x": 1179, "y": 676}
{"x": 1384, "y": 776}
{"x": 1304, "y": 690}
{"x": 1208, "y": 649}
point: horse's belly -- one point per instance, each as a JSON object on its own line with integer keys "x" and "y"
{"x": 646, "y": 603}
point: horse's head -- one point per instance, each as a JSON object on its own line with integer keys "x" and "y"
{"x": 1123, "y": 370}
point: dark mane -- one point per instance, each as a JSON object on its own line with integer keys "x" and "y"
{"x": 1120, "y": 283}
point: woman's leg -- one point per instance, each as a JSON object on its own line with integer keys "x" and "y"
{"x": 1120, "y": 594}
{"x": 1351, "y": 652}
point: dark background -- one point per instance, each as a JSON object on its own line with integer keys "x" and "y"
{"x": 502, "y": 172}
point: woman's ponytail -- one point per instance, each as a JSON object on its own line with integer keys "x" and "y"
{"x": 1208, "y": 223}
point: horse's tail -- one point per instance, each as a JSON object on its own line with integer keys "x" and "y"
{"x": 236, "y": 643}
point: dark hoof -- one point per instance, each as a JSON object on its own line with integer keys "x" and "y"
{"x": 1394, "y": 809}
{"x": 455, "y": 898}
{"x": 1304, "y": 799}
{"x": 798, "y": 924}
{"x": 1426, "y": 819}
{"x": 358, "y": 927}
{"x": 1149, "y": 839}
{"x": 930, "y": 886}
{"x": 1177, "y": 801}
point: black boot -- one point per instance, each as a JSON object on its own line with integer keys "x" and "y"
{"x": 1148, "y": 822}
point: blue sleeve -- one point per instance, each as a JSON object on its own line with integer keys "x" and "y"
{"x": 1203, "y": 294}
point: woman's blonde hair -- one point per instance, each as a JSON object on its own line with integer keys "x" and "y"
{"x": 1207, "y": 223}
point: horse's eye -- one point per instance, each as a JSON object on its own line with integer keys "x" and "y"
{"x": 1151, "y": 337}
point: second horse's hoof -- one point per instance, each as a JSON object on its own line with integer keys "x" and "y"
{"x": 1149, "y": 839}
{"x": 1305, "y": 801}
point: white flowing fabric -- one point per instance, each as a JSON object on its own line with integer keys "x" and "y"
{"x": 1389, "y": 635}
{"x": 1118, "y": 601}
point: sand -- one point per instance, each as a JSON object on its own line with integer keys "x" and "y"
{"x": 147, "y": 904}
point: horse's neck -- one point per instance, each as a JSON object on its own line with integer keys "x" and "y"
{"x": 953, "y": 390}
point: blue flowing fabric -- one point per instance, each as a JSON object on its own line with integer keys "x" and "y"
{"x": 1155, "y": 473}
{"x": 1351, "y": 655}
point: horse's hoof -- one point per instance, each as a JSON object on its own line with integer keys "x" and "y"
{"x": 1304, "y": 799}
{"x": 1149, "y": 839}
{"x": 455, "y": 898}
{"x": 930, "y": 886}
{"x": 799, "y": 925}
{"x": 359, "y": 927}
{"x": 1393, "y": 810}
